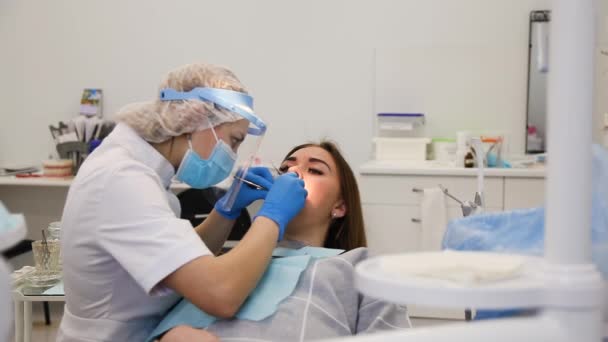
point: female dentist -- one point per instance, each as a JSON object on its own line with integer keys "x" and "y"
{"x": 127, "y": 256}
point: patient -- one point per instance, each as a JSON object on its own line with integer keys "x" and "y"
{"x": 324, "y": 303}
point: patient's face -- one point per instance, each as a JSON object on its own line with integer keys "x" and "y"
{"x": 318, "y": 170}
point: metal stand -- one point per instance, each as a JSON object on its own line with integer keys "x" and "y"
{"x": 75, "y": 151}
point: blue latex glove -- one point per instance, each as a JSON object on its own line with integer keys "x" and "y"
{"x": 247, "y": 194}
{"x": 284, "y": 200}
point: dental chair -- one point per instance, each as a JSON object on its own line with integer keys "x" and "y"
{"x": 198, "y": 203}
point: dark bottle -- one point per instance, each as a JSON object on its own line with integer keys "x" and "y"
{"x": 469, "y": 160}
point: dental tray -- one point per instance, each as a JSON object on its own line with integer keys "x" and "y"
{"x": 400, "y": 279}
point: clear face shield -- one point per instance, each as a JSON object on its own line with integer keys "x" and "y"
{"x": 241, "y": 104}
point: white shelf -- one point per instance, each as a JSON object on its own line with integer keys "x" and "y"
{"x": 35, "y": 181}
{"x": 58, "y": 182}
{"x": 524, "y": 291}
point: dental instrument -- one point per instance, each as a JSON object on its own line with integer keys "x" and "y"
{"x": 46, "y": 254}
{"x": 250, "y": 183}
{"x": 468, "y": 208}
{"x": 255, "y": 185}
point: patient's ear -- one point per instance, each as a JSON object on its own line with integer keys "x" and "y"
{"x": 339, "y": 209}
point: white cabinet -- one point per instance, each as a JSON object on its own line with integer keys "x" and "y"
{"x": 524, "y": 193}
{"x": 390, "y": 229}
{"x": 398, "y": 189}
{"x": 397, "y": 228}
{"x": 392, "y": 212}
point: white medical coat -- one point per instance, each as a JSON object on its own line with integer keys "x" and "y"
{"x": 121, "y": 235}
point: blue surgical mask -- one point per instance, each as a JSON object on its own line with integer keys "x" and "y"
{"x": 202, "y": 173}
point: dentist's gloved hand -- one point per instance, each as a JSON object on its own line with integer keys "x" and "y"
{"x": 284, "y": 200}
{"x": 246, "y": 194}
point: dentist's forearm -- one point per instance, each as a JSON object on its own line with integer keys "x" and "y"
{"x": 220, "y": 285}
{"x": 214, "y": 231}
{"x": 245, "y": 264}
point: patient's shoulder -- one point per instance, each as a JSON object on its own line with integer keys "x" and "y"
{"x": 352, "y": 257}
{"x": 333, "y": 277}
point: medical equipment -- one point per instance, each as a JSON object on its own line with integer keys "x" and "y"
{"x": 15, "y": 171}
{"x": 233, "y": 101}
{"x": 565, "y": 285}
{"x": 241, "y": 173}
{"x": 252, "y": 184}
{"x": 75, "y": 151}
{"x": 46, "y": 254}
{"x": 202, "y": 173}
{"x": 468, "y": 208}
{"x": 522, "y": 231}
{"x": 246, "y": 194}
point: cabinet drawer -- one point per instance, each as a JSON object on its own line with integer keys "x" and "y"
{"x": 397, "y": 189}
{"x": 397, "y": 228}
{"x": 523, "y": 193}
{"x": 390, "y": 229}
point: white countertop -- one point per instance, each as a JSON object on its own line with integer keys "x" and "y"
{"x": 57, "y": 182}
{"x": 36, "y": 181}
{"x": 434, "y": 168}
{"x": 372, "y": 167}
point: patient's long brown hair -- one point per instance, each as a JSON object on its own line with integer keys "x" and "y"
{"x": 346, "y": 232}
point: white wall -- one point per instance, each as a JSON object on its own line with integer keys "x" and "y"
{"x": 316, "y": 68}
{"x": 304, "y": 88}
